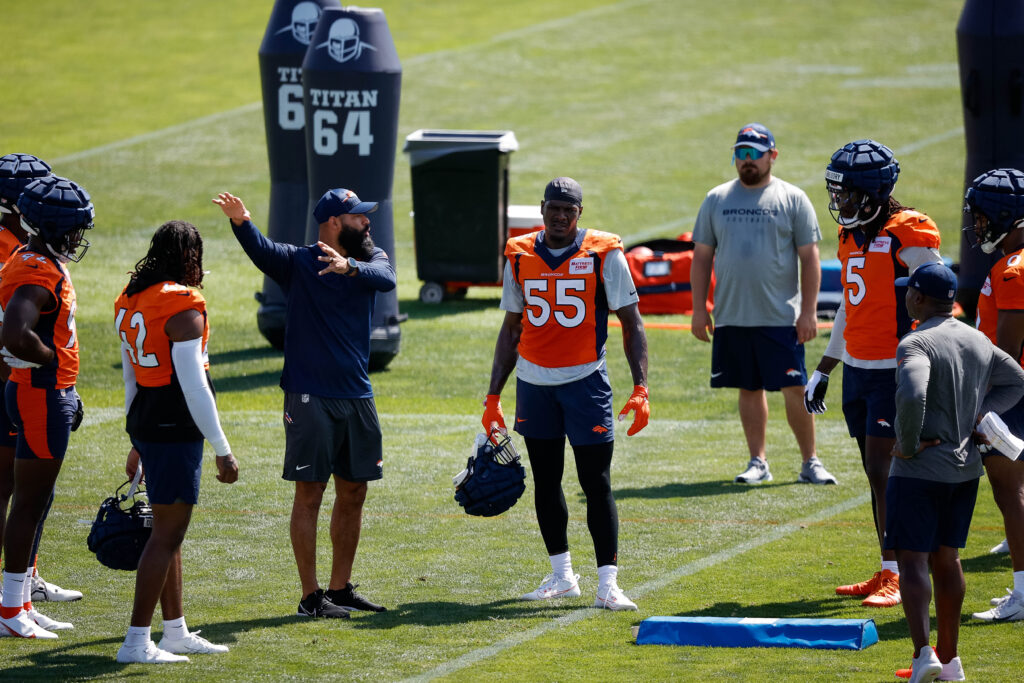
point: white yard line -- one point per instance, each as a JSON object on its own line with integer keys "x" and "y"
{"x": 762, "y": 538}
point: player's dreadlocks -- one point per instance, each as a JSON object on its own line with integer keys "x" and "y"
{"x": 175, "y": 253}
{"x": 872, "y": 229}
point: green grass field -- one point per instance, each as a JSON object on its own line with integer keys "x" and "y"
{"x": 154, "y": 108}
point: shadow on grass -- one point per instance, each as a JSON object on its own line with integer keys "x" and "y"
{"x": 442, "y": 613}
{"x": 256, "y": 380}
{"x": 985, "y": 563}
{"x": 837, "y": 607}
{"x": 418, "y": 310}
{"x": 61, "y": 663}
{"x": 694, "y": 489}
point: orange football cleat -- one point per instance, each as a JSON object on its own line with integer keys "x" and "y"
{"x": 888, "y": 592}
{"x": 860, "y": 589}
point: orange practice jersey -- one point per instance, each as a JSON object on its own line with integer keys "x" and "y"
{"x": 55, "y": 327}
{"x": 565, "y": 319}
{"x": 876, "y": 318}
{"x": 140, "y": 321}
{"x": 1003, "y": 291}
{"x": 8, "y": 245}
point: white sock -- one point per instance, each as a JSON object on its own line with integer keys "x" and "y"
{"x": 561, "y": 565}
{"x": 27, "y": 588}
{"x": 607, "y": 576}
{"x": 14, "y": 589}
{"x": 1018, "y": 583}
{"x": 175, "y": 629}
{"x": 892, "y": 566}
{"x": 137, "y": 636}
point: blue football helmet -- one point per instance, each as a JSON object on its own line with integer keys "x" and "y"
{"x": 121, "y": 529}
{"x": 17, "y": 171}
{"x": 859, "y": 179}
{"x": 58, "y": 211}
{"x": 995, "y": 201}
{"x": 493, "y": 479}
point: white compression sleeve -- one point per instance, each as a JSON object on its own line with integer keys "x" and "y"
{"x": 187, "y": 357}
{"x": 128, "y": 374}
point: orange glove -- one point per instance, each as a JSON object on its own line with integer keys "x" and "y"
{"x": 492, "y": 413}
{"x": 641, "y": 410}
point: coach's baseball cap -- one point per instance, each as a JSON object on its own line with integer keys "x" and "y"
{"x": 338, "y": 202}
{"x": 931, "y": 279}
{"x": 755, "y": 135}
{"x": 564, "y": 189}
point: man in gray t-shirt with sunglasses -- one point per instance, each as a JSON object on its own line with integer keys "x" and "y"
{"x": 761, "y": 236}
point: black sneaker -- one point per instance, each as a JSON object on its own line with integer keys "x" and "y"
{"x": 347, "y": 598}
{"x": 318, "y": 606}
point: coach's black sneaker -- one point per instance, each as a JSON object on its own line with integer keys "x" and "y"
{"x": 347, "y": 598}
{"x": 317, "y": 605}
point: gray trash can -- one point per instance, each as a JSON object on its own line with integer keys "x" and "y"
{"x": 460, "y": 201}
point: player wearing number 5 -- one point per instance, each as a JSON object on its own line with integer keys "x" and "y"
{"x": 161, "y": 320}
{"x": 559, "y": 285}
{"x": 879, "y": 240}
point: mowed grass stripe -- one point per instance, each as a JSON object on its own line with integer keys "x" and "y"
{"x": 763, "y": 538}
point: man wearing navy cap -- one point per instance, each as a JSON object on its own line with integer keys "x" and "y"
{"x": 948, "y": 375}
{"x": 330, "y": 418}
{"x": 760, "y": 234}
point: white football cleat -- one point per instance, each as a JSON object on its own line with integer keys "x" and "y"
{"x": 22, "y": 626}
{"x": 614, "y": 599}
{"x": 555, "y": 588}
{"x": 192, "y": 644}
{"x": 1003, "y": 547}
{"x": 46, "y": 622}
{"x": 1007, "y": 608}
{"x": 42, "y": 591}
{"x": 147, "y": 654}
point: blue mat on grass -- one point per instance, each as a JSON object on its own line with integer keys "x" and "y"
{"x": 829, "y": 634}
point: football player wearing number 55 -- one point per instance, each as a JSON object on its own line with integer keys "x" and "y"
{"x": 879, "y": 240}
{"x": 559, "y": 286}
{"x": 161, "y": 321}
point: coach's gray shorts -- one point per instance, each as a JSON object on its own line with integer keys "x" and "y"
{"x": 325, "y": 436}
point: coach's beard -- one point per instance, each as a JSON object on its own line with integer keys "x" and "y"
{"x": 357, "y": 243}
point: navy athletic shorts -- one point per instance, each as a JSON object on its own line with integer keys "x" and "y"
{"x": 43, "y": 419}
{"x": 869, "y": 401}
{"x": 921, "y": 515}
{"x": 755, "y": 358}
{"x": 581, "y": 410}
{"x": 8, "y": 432}
{"x": 172, "y": 470}
{"x": 325, "y": 436}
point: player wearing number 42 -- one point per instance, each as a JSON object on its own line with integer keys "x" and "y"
{"x": 161, "y": 320}
{"x": 559, "y": 286}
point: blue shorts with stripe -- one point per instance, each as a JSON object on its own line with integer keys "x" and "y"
{"x": 755, "y": 358}
{"x": 43, "y": 419}
{"x": 580, "y": 410}
{"x": 172, "y": 470}
{"x": 869, "y": 401}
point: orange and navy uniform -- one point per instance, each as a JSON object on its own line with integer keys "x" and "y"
{"x": 56, "y": 325}
{"x": 158, "y": 412}
{"x": 42, "y": 402}
{"x": 876, "y": 318}
{"x": 565, "y": 315}
{"x": 1003, "y": 291}
{"x": 9, "y": 244}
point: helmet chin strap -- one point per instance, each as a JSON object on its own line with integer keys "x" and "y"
{"x": 989, "y": 246}
{"x": 60, "y": 256}
{"x": 857, "y": 221}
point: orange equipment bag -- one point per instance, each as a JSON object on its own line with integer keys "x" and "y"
{"x": 661, "y": 273}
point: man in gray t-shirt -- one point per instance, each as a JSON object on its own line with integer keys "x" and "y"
{"x": 760, "y": 235}
{"x": 948, "y": 375}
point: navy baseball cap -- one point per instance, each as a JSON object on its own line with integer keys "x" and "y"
{"x": 338, "y": 202}
{"x": 931, "y": 279}
{"x": 755, "y": 135}
{"x": 564, "y": 189}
